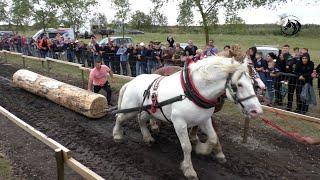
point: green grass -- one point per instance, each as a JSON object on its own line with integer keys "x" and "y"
{"x": 5, "y": 168}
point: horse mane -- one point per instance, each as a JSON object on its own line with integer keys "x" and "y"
{"x": 234, "y": 52}
{"x": 208, "y": 66}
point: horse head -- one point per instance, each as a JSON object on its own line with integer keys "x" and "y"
{"x": 239, "y": 89}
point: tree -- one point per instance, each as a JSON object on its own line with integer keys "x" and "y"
{"x": 157, "y": 17}
{"x": 45, "y": 13}
{"x": 123, "y": 10}
{"x": 234, "y": 19}
{"x": 21, "y": 11}
{"x": 140, "y": 20}
{"x": 99, "y": 19}
{"x": 3, "y": 11}
{"x": 74, "y": 12}
{"x": 209, "y": 9}
{"x": 185, "y": 18}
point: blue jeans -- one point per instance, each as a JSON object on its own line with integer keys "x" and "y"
{"x": 43, "y": 53}
{"x": 107, "y": 61}
{"x": 270, "y": 90}
{"x": 70, "y": 55}
{"x": 152, "y": 66}
{"x": 141, "y": 67}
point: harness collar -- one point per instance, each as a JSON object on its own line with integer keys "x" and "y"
{"x": 191, "y": 91}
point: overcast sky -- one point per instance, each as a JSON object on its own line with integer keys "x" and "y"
{"x": 308, "y": 11}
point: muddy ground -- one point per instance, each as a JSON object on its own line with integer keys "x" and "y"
{"x": 268, "y": 155}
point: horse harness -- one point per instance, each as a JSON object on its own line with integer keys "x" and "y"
{"x": 233, "y": 90}
{"x": 190, "y": 92}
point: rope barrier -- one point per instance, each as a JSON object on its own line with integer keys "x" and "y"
{"x": 292, "y": 135}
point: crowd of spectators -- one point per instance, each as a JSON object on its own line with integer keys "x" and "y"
{"x": 283, "y": 74}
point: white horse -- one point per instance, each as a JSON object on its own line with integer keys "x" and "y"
{"x": 212, "y": 77}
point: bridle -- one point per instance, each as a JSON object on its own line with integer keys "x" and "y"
{"x": 233, "y": 89}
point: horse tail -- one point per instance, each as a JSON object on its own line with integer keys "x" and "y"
{"x": 122, "y": 90}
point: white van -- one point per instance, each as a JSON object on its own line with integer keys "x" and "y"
{"x": 52, "y": 33}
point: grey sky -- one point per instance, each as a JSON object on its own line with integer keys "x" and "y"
{"x": 308, "y": 13}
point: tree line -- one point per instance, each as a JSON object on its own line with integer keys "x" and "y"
{"x": 74, "y": 13}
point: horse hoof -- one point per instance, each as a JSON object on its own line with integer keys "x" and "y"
{"x": 194, "y": 140}
{"x": 149, "y": 141}
{"x": 189, "y": 172}
{"x": 117, "y": 138}
{"x": 155, "y": 130}
{"x": 222, "y": 160}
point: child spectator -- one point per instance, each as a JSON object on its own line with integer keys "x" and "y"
{"x": 272, "y": 73}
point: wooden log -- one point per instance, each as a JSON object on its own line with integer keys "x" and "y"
{"x": 82, "y": 101}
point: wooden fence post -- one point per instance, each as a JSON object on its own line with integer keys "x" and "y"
{"x": 48, "y": 65}
{"x": 246, "y": 129}
{"x": 82, "y": 74}
{"x": 24, "y": 61}
{"x": 60, "y": 163}
{"x": 5, "y": 57}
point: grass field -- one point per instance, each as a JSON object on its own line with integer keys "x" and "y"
{"x": 5, "y": 168}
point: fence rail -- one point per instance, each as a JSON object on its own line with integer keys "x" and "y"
{"x": 63, "y": 155}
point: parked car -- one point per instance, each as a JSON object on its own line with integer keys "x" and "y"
{"x": 52, "y": 33}
{"x": 265, "y": 49}
{"x": 8, "y": 33}
{"x": 106, "y": 32}
{"x": 134, "y": 31}
{"x": 117, "y": 40}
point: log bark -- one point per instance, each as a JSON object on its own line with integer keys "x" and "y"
{"x": 82, "y": 101}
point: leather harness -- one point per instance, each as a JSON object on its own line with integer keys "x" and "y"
{"x": 190, "y": 92}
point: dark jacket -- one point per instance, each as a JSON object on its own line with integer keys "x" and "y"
{"x": 191, "y": 51}
{"x": 304, "y": 70}
{"x": 170, "y": 41}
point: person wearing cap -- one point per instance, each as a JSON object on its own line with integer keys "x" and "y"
{"x": 98, "y": 79}
{"x": 141, "y": 65}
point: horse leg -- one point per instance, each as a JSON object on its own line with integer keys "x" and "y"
{"x": 154, "y": 125}
{"x": 182, "y": 132}
{"x": 117, "y": 132}
{"x": 147, "y": 138}
{"x": 212, "y": 142}
{"x": 193, "y": 134}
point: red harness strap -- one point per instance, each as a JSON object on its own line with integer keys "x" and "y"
{"x": 192, "y": 86}
{"x": 154, "y": 96}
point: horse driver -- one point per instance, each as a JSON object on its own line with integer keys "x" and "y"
{"x": 98, "y": 78}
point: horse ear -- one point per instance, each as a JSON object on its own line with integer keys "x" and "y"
{"x": 245, "y": 61}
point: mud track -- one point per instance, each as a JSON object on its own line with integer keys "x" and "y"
{"x": 267, "y": 155}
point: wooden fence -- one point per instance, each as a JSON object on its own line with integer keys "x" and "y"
{"x": 62, "y": 154}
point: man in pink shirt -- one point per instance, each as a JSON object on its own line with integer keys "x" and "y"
{"x": 98, "y": 78}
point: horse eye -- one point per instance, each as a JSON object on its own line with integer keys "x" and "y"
{"x": 239, "y": 85}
